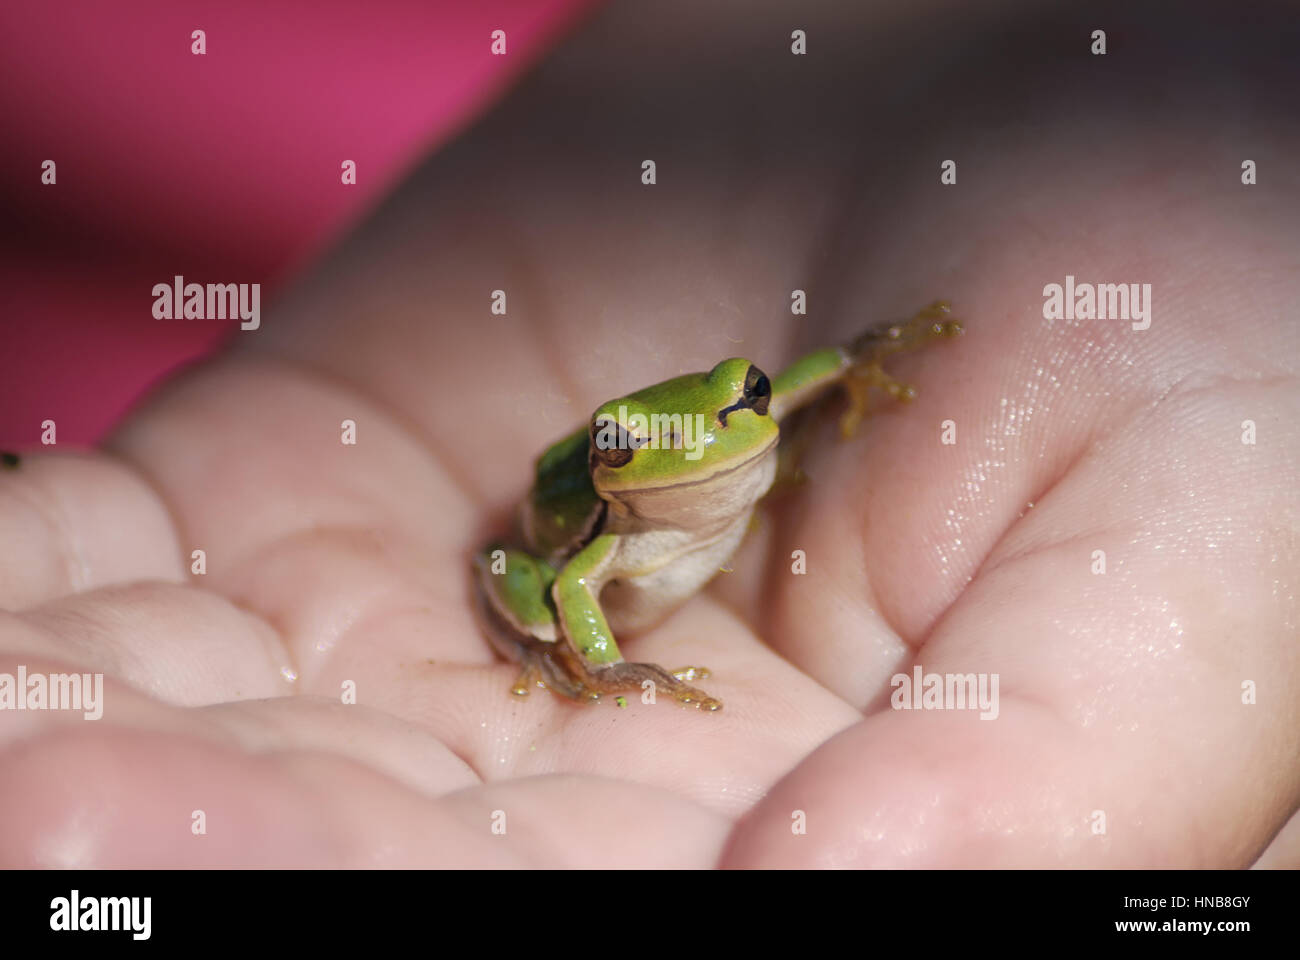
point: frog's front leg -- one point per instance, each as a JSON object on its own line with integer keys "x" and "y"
{"x": 869, "y": 350}
{"x": 859, "y": 366}
{"x": 591, "y": 655}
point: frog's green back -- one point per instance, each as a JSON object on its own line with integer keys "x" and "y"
{"x": 563, "y": 501}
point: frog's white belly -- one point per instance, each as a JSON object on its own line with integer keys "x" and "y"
{"x": 665, "y": 568}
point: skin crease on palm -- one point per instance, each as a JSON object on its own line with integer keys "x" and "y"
{"x": 1119, "y": 692}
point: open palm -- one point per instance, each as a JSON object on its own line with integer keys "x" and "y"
{"x": 334, "y": 567}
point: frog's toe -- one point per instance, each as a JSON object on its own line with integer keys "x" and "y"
{"x": 934, "y": 322}
{"x": 692, "y": 673}
{"x": 528, "y": 678}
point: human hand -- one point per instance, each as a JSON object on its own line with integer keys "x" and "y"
{"x": 333, "y": 564}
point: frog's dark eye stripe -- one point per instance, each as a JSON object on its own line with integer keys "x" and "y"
{"x": 611, "y": 444}
{"x": 756, "y": 395}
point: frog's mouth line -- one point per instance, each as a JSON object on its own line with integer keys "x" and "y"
{"x": 675, "y": 484}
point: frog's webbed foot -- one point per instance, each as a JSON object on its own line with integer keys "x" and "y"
{"x": 555, "y": 667}
{"x": 929, "y": 323}
{"x": 628, "y": 677}
{"x": 870, "y": 350}
{"x": 592, "y": 681}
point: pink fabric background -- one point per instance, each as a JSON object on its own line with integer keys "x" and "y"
{"x": 224, "y": 168}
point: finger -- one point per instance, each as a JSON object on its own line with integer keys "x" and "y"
{"x": 71, "y": 523}
{"x": 1284, "y": 852}
{"x": 180, "y": 644}
{"x": 145, "y": 756}
{"x": 325, "y": 539}
{"x": 160, "y": 787}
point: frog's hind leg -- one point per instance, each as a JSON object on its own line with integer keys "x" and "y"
{"x": 516, "y": 607}
{"x": 513, "y": 593}
{"x": 590, "y": 652}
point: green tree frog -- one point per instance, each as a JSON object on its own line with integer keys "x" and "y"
{"x": 636, "y": 511}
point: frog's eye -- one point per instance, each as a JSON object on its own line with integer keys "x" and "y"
{"x": 758, "y": 391}
{"x": 757, "y": 394}
{"x": 611, "y": 444}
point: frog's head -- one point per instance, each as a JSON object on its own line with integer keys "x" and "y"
{"x": 688, "y": 450}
